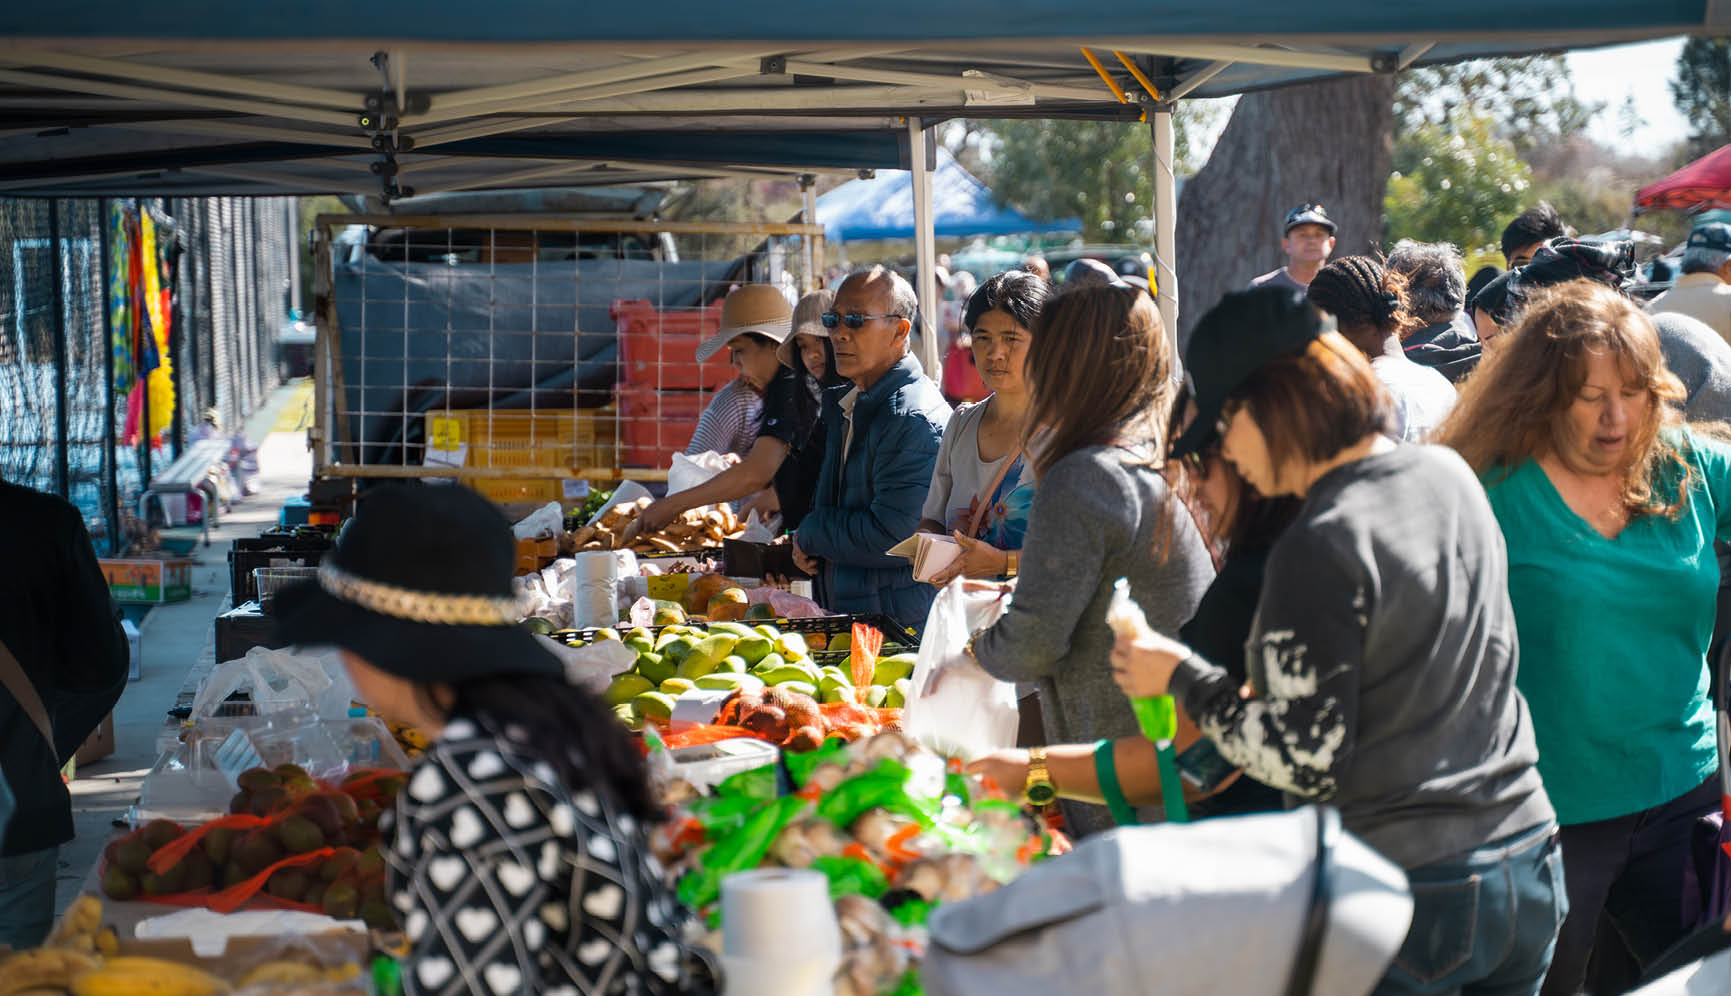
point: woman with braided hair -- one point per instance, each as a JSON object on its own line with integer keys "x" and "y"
{"x": 1369, "y": 307}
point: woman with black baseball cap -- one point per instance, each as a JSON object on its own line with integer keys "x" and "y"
{"x": 517, "y": 854}
{"x": 1382, "y": 658}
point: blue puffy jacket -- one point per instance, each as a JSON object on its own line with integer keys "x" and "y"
{"x": 873, "y": 500}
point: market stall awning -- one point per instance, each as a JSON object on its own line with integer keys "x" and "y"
{"x": 175, "y": 98}
{"x": 1706, "y": 182}
{"x": 882, "y": 207}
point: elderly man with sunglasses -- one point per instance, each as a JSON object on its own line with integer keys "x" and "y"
{"x": 883, "y": 432}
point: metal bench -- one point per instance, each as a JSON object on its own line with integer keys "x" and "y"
{"x": 195, "y": 470}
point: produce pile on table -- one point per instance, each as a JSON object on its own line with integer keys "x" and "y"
{"x": 698, "y": 529}
{"x": 289, "y": 842}
{"x": 83, "y": 957}
{"x": 894, "y": 829}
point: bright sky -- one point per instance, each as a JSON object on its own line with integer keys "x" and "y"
{"x": 1644, "y": 70}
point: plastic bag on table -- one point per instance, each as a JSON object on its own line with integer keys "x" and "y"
{"x": 688, "y": 472}
{"x": 785, "y": 604}
{"x": 279, "y": 680}
{"x": 964, "y": 712}
{"x": 548, "y": 520}
{"x": 591, "y": 666}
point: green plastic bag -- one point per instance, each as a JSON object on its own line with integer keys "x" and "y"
{"x": 733, "y": 801}
{"x": 740, "y": 850}
{"x": 884, "y": 786}
{"x": 800, "y": 766}
{"x": 852, "y": 876}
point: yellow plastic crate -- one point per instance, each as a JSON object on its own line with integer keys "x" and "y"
{"x": 562, "y": 438}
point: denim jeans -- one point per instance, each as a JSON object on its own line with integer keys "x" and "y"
{"x": 1484, "y": 922}
{"x": 27, "y": 897}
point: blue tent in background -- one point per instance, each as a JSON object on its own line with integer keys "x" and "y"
{"x": 883, "y": 208}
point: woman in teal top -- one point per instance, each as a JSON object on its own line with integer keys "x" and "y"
{"x": 1609, "y": 507}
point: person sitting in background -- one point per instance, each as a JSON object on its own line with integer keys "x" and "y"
{"x": 63, "y": 665}
{"x": 881, "y": 441}
{"x": 788, "y": 452}
{"x": 755, "y": 321}
{"x": 1530, "y": 230}
{"x": 517, "y": 854}
{"x": 1099, "y": 375}
{"x": 983, "y": 484}
{"x": 1436, "y": 296}
{"x": 1307, "y": 238}
{"x": 1382, "y": 656}
{"x": 1609, "y": 506}
{"x": 1703, "y": 292}
{"x": 1369, "y": 306}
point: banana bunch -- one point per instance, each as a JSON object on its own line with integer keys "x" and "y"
{"x": 133, "y": 975}
{"x": 50, "y": 969}
{"x": 287, "y": 972}
{"x": 80, "y": 929}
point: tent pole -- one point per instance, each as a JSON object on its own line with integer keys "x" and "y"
{"x": 808, "y": 216}
{"x": 925, "y": 249}
{"x": 1165, "y": 220}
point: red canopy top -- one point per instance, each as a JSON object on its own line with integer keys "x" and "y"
{"x": 1703, "y": 183}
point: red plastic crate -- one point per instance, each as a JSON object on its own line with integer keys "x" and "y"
{"x": 654, "y": 425}
{"x": 658, "y": 349}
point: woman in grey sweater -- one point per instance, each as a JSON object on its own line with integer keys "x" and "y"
{"x": 1383, "y": 653}
{"x": 1100, "y": 373}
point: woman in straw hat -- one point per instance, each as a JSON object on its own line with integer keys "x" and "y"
{"x": 517, "y": 853}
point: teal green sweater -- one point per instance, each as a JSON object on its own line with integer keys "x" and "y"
{"x": 1614, "y": 637}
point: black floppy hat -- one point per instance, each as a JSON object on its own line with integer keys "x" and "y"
{"x": 1232, "y": 341}
{"x": 420, "y": 585}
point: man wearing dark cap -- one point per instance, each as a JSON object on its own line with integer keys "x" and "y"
{"x": 1703, "y": 292}
{"x": 1308, "y": 240}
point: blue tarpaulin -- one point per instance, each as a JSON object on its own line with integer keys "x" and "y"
{"x": 882, "y": 207}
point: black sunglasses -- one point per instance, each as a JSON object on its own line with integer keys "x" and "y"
{"x": 853, "y": 319}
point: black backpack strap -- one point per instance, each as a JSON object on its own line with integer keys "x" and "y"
{"x": 1315, "y": 928}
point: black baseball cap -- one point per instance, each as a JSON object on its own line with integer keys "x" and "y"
{"x": 1715, "y": 236}
{"x": 1232, "y": 341}
{"x": 1308, "y": 214}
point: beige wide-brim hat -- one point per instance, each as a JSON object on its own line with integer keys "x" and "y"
{"x": 758, "y": 308}
{"x": 807, "y": 320}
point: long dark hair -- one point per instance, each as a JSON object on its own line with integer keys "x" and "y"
{"x": 807, "y": 408}
{"x": 578, "y": 734}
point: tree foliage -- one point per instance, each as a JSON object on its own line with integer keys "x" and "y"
{"x": 1456, "y": 181}
{"x": 1702, "y": 92}
{"x": 1531, "y": 101}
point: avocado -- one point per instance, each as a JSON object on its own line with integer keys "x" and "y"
{"x": 300, "y": 835}
{"x": 287, "y": 883}
{"x": 258, "y": 779}
{"x": 199, "y": 872}
{"x": 118, "y": 884}
{"x": 158, "y": 833}
{"x": 341, "y": 901}
{"x": 129, "y": 854}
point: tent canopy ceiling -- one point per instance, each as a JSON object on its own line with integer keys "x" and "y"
{"x": 1706, "y": 182}
{"x": 110, "y": 97}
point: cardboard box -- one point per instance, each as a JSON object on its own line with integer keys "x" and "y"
{"x": 100, "y": 743}
{"x": 148, "y": 580}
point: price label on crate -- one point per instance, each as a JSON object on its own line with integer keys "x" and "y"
{"x": 444, "y": 433}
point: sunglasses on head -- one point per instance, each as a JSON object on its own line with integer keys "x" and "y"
{"x": 853, "y": 319}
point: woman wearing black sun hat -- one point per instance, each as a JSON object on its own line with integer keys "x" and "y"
{"x": 518, "y": 852}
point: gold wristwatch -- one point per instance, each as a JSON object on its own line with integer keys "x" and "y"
{"x": 1012, "y": 563}
{"x": 1039, "y": 790}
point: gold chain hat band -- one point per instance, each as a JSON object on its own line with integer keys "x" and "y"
{"x": 418, "y": 606}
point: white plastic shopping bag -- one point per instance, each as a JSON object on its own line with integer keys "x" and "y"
{"x": 957, "y": 709}
{"x": 688, "y": 472}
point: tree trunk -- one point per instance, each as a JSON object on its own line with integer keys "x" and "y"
{"x": 1329, "y": 143}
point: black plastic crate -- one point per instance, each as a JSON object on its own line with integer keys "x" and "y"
{"x": 302, "y": 549}
{"x": 241, "y": 629}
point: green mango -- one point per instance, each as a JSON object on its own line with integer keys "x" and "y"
{"x": 677, "y": 648}
{"x": 772, "y": 661}
{"x": 643, "y": 645}
{"x": 606, "y": 633}
{"x": 626, "y": 687}
{"x": 791, "y": 645}
{"x": 888, "y": 669}
{"x": 677, "y": 686}
{"x": 841, "y": 642}
{"x": 734, "y": 629}
{"x": 653, "y": 705}
{"x": 768, "y": 632}
{"x": 786, "y": 673}
{"x": 833, "y": 688}
{"x": 728, "y": 681}
{"x": 754, "y": 648}
{"x": 898, "y": 694}
{"x": 627, "y": 715}
{"x": 802, "y": 687}
{"x": 733, "y": 663}
{"x": 656, "y": 667}
{"x": 707, "y": 656}
{"x": 639, "y": 633}
{"x": 876, "y": 696}
{"x": 832, "y": 671}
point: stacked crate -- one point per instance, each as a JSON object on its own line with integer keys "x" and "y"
{"x": 662, "y": 388}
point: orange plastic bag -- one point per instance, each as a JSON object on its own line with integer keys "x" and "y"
{"x": 181, "y": 846}
{"x": 863, "y": 654}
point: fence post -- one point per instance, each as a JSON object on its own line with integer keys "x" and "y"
{"x": 110, "y": 445}
{"x": 62, "y": 460}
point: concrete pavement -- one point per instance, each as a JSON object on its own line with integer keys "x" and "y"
{"x": 178, "y": 636}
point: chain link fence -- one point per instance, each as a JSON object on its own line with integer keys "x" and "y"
{"x": 63, "y": 402}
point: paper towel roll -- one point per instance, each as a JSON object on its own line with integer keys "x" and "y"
{"x": 769, "y": 913}
{"x": 595, "y": 589}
